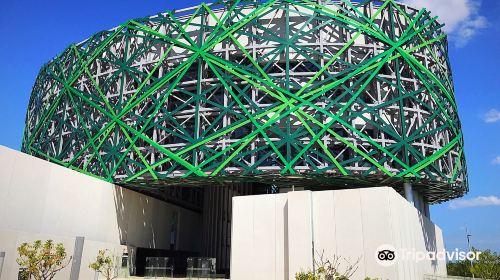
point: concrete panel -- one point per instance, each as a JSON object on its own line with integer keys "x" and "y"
{"x": 349, "y": 229}
{"x": 84, "y": 206}
{"x": 264, "y": 236}
{"x": 90, "y": 251}
{"x": 349, "y": 224}
{"x": 396, "y": 218}
{"x": 376, "y": 231}
{"x": 402, "y": 233}
{"x": 7, "y": 167}
{"x": 242, "y": 236}
{"x": 324, "y": 224}
{"x": 24, "y": 199}
{"x": 281, "y": 237}
{"x": 441, "y": 264}
{"x": 415, "y": 232}
{"x": 42, "y": 200}
{"x": 300, "y": 231}
{"x": 16, "y": 238}
{"x": 8, "y": 244}
{"x": 415, "y": 239}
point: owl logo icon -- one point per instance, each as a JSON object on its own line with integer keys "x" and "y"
{"x": 386, "y": 255}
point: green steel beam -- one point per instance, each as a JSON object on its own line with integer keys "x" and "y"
{"x": 283, "y": 90}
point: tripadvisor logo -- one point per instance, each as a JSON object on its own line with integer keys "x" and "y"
{"x": 386, "y": 255}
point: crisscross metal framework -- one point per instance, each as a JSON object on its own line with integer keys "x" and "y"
{"x": 302, "y": 92}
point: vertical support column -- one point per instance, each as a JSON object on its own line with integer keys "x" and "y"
{"x": 427, "y": 211}
{"x": 2, "y": 257}
{"x": 77, "y": 258}
{"x": 409, "y": 192}
{"x": 417, "y": 200}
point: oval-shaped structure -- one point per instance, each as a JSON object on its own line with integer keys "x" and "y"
{"x": 325, "y": 94}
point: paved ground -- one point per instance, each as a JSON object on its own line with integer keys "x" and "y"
{"x": 165, "y": 278}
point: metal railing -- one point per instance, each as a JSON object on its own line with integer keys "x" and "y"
{"x": 201, "y": 268}
{"x": 158, "y": 267}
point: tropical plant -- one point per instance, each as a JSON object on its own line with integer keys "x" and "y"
{"x": 306, "y": 276}
{"x": 329, "y": 269}
{"x": 105, "y": 265}
{"x": 459, "y": 268}
{"x": 41, "y": 260}
{"x": 487, "y": 266}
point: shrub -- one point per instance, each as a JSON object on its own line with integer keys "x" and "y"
{"x": 105, "y": 265}
{"x": 41, "y": 260}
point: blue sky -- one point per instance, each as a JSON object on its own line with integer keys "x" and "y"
{"x": 33, "y": 31}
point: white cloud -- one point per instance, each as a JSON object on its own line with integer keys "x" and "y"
{"x": 496, "y": 160}
{"x": 468, "y": 29}
{"x": 461, "y": 17}
{"x": 475, "y": 202}
{"x": 492, "y": 116}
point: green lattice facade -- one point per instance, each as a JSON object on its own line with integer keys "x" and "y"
{"x": 324, "y": 94}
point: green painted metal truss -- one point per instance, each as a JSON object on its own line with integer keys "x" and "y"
{"x": 296, "y": 92}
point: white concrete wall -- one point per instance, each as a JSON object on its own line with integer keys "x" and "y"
{"x": 42, "y": 200}
{"x": 350, "y": 224}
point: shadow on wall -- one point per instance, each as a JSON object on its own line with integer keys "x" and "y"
{"x": 429, "y": 235}
{"x": 134, "y": 220}
{"x": 135, "y": 214}
{"x": 150, "y": 227}
{"x": 122, "y": 214}
{"x": 285, "y": 239}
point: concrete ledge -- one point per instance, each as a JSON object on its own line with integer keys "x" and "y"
{"x": 349, "y": 224}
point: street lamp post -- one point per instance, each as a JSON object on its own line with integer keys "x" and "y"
{"x": 470, "y": 249}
